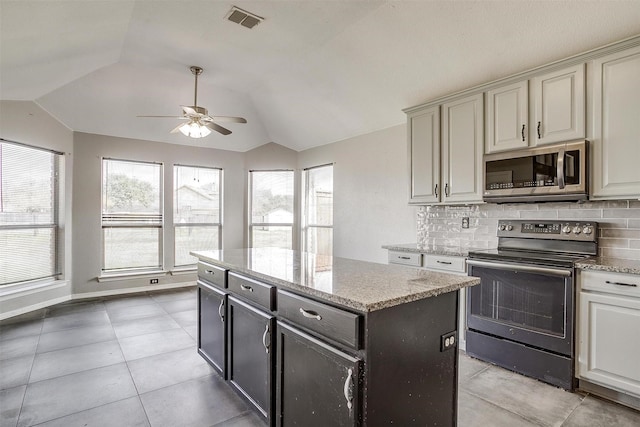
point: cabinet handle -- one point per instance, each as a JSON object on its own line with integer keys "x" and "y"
{"x": 632, "y": 285}
{"x": 539, "y": 123}
{"x": 522, "y": 133}
{"x": 220, "y": 308}
{"x": 310, "y": 314}
{"x": 404, "y": 257}
{"x": 435, "y": 190}
{"x": 211, "y": 272}
{"x": 264, "y": 338}
{"x": 246, "y": 288}
{"x": 348, "y": 394}
{"x": 444, "y": 262}
{"x": 446, "y": 189}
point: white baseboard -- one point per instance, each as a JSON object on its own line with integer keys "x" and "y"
{"x": 34, "y": 307}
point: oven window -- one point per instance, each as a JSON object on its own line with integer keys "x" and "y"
{"x": 529, "y": 301}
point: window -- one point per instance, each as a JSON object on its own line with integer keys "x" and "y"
{"x": 196, "y": 211}
{"x": 29, "y": 192}
{"x": 271, "y": 217}
{"x": 317, "y": 231}
{"x": 131, "y": 215}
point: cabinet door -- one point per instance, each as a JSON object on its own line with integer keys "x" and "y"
{"x": 608, "y": 346}
{"x": 462, "y": 149}
{"x": 423, "y": 133}
{"x": 559, "y": 106}
{"x": 507, "y": 117}
{"x": 212, "y": 343}
{"x": 616, "y": 125}
{"x": 317, "y": 383}
{"x": 251, "y": 354}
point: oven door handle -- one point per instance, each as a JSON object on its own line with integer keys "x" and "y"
{"x": 526, "y": 268}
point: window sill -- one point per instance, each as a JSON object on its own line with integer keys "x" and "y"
{"x": 17, "y": 290}
{"x": 182, "y": 271}
{"x": 125, "y": 276}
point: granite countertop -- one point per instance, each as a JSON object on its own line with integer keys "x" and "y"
{"x": 359, "y": 285}
{"x": 435, "y": 250}
{"x": 613, "y": 265}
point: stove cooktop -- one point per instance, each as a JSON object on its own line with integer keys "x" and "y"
{"x": 527, "y": 257}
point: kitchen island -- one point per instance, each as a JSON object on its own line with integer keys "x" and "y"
{"x": 319, "y": 341}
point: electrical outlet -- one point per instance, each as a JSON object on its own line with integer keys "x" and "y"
{"x": 465, "y": 222}
{"x": 153, "y": 281}
{"x": 448, "y": 341}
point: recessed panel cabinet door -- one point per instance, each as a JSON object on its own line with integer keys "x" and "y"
{"x": 423, "y": 133}
{"x": 559, "y": 106}
{"x": 251, "y": 354}
{"x": 462, "y": 147}
{"x": 318, "y": 385}
{"x": 212, "y": 344}
{"x": 616, "y": 125}
{"x": 507, "y": 117}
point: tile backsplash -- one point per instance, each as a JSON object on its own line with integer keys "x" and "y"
{"x": 619, "y": 222}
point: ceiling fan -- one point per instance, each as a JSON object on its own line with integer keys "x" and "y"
{"x": 199, "y": 123}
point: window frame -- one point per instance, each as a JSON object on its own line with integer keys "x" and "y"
{"x": 204, "y": 224}
{"x": 305, "y": 225}
{"x": 57, "y": 159}
{"x": 158, "y": 224}
{"x": 251, "y": 224}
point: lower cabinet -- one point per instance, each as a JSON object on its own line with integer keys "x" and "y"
{"x": 318, "y": 384}
{"x": 251, "y": 354}
{"x": 212, "y": 343}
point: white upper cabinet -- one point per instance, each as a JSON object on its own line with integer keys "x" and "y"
{"x": 507, "y": 117}
{"x": 423, "y": 132}
{"x": 558, "y": 106}
{"x": 616, "y": 125}
{"x": 462, "y": 149}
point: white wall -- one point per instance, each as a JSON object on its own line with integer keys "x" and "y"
{"x": 370, "y": 192}
{"x": 27, "y": 123}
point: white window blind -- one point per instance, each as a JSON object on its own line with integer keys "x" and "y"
{"x": 131, "y": 215}
{"x": 197, "y": 207}
{"x": 272, "y": 214}
{"x": 28, "y": 213}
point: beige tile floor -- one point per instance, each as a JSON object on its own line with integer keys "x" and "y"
{"x": 131, "y": 361}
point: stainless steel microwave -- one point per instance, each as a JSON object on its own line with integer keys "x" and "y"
{"x": 555, "y": 172}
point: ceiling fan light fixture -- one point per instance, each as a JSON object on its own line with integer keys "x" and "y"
{"x": 193, "y": 129}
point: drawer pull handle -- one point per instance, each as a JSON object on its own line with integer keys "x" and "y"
{"x": 211, "y": 272}
{"x": 310, "y": 314}
{"x": 348, "y": 394}
{"x": 246, "y": 288}
{"x": 633, "y": 285}
{"x": 444, "y": 262}
{"x": 220, "y": 308}
{"x": 264, "y": 338}
{"x": 404, "y": 257}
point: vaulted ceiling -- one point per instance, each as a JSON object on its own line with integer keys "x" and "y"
{"x": 312, "y": 73}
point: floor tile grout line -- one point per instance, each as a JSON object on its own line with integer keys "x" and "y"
{"x": 524, "y": 417}
{"x": 84, "y": 410}
{"x": 33, "y": 361}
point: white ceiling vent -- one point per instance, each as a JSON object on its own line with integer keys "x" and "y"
{"x": 244, "y": 18}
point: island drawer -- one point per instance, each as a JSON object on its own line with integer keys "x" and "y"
{"x": 212, "y": 274}
{"x": 610, "y": 282}
{"x": 338, "y": 325}
{"x": 253, "y": 290}
{"x": 405, "y": 258}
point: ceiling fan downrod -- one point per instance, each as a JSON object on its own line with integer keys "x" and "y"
{"x": 196, "y": 72}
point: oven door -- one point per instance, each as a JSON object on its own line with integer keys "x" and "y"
{"x": 529, "y": 304}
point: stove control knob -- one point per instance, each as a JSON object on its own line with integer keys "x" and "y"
{"x": 566, "y": 229}
{"x": 509, "y": 227}
{"x": 587, "y": 229}
{"x": 577, "y": 230}
{"x": 502, "y": 227}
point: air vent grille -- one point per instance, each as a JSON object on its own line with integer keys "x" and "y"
{"x": 244, "y": 18}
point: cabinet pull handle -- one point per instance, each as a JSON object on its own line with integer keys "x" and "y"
{"x": 264, "y": 338}
{"x": 211, "y": 272}
{"x": 539, "y": 123}
{"x": 246, "y": 288}
{"x": 435, "y": 190}
{"x": 348, "y": 394}
{"x": 633, "y": 285}
{"x": 404, "y": 257}
{"x": 446, "y": 189}
{"x": 310, "y": 314}
{"x": 443, "y": 262}
{"x": 522, "y": 133}
{"x": 220, "y": 308}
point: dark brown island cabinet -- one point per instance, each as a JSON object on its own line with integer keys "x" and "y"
{"x": 348, "y": 344}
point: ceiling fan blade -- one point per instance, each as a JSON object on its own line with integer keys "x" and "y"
{"x": 177, "y": 128}
{"x": 228, "y": 119}
{"x": 164, "y": 117}
{"x": 217, "y": 128}
{"x": 189, "y": 110}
